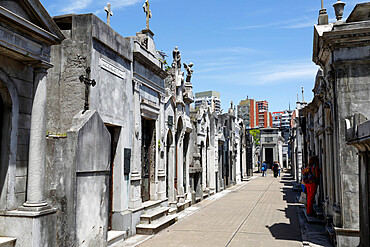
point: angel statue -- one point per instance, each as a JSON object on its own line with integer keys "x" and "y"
{"x": 176, "y": 58}
{"x": 189, "y": 71}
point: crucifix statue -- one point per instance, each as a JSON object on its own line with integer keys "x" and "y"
{"x": 109, "y": 13}
{"x": 88, "y": 82}
{"x": 148, "y": 13}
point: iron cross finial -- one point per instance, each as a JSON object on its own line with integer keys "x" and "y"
{"x": 109, "y": 13}
{"x": 88, "y": 82}
{"x": 148, "y": 12}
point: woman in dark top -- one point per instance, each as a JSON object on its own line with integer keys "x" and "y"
{"x": 275, "y": 168}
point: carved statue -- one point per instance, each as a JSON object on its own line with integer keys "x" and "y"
{"x": 176, "y": 58}
{"x": 189, "y": 71}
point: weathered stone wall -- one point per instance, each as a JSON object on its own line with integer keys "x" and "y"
{"x": 77, "y": 181}
{"x": 353, "y": 93}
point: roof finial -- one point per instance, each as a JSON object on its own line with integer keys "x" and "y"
{"x": 323, "y": 16}
{"x": 302, "y": 94}
{"x": 339, "y": 8}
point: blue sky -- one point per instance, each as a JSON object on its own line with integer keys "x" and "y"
{"x": 261, "y": 49}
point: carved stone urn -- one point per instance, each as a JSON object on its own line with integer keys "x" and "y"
{"x": 339, "y": 7}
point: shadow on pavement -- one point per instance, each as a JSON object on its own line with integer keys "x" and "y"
{"x": 292, "y": 230}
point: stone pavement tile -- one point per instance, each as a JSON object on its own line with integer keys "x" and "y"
{"x": 256, "y": 240}
{"x": 169, "y": 238}
{"x": 264, "y": 216}
{"x": 257, "y": 212}
{"x": 273, "y": 197}
{"x": 224, "y": 221}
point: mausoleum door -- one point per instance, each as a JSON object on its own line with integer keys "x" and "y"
{"x": 5, "y": 128}
{"x": 185, "y": 155}
{"x": 114, "y": 134}
{"x": 168, "y": 161}
{"x": 2, "y": 164}
{"x": 269, "y": 156}
{"x": 147, "y": 157}
{"x": 1, "y": 123}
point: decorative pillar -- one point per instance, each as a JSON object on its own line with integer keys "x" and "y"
{"x": 37, "y": 151}
{"x": 135, "y": 190}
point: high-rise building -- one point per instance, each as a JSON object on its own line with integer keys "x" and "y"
{"x": 263, "y": 105}
{"x": 276, "y": 119}
{"x": 285, "y": 119}
{"x": 212, "y": 98}
{"x": 265, "y": 119}
{"x": 248, "y": 111}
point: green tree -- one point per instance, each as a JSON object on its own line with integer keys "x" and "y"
{"x": 256, "y": 136}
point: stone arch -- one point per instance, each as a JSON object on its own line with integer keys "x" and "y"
{"x": 8, "y": 140}
{"x": 179, "y": 130}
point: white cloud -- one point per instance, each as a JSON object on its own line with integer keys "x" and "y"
{"x": 292, "y": 23}
{"x": 287, "y": 73}
{"x": 264, "y": 73}
{"x": 76, "y": 6}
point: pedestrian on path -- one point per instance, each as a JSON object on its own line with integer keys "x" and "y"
{"x": 263, "y": 169}
{"x": 279, "y": 169}
{"x": 311, "y": 178}
{"x": 275, "y": 168}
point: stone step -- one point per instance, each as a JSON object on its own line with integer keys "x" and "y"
{"x": 172, "y": 211}
{"x": 183, "y": 205}
{"x": 153, "y": 214}
{"x": 115, "y": 237}
{"x": 157, "y": 225}
{"x": 7, "y": 242}
{"x": 329, "y": 231}
{"x": 319, "y": 211}
{"x": 151, "y": 204}
{"x": 313, "y": 219}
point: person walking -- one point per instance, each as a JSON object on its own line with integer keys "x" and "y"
{"x": 279, "y": 168}
{"x": 311, "y": 178}
{"x": 263, "y": 169}
{"x": 275, "y": 168}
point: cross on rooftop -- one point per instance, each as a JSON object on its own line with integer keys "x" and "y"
{"x": 148, "y": 12}
{"x": 109, "y": 13}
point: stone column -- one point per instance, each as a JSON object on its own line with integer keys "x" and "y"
{"x": 37, "y": 151}
{"x": 135, "y": 190}
{"x": 171, "y": 172}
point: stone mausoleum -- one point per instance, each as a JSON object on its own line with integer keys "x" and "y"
{"x": 98, "y": 137}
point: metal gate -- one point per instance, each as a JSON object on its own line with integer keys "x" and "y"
{"x": 147, "y": 157}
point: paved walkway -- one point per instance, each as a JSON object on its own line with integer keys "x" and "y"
{"x": 261, "y": 212}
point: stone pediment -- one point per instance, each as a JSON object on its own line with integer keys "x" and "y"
{"x": 360, "y": 13}
{"x": 29, "y": 16}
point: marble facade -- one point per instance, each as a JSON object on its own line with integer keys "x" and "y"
{"x": 112, "y": 149}
{"x": 341, "y": 89}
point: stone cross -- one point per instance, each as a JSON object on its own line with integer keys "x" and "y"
{"x": 88, "y": 82}
{"x": 322, "y": 4}
{"x": 148, "y": 12}
{"x": 302, "y": 94}
{"x": 109, "y": 13}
